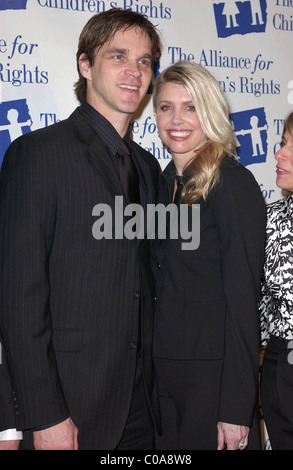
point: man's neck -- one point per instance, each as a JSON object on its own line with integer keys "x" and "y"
{"x": 120, "y": 121}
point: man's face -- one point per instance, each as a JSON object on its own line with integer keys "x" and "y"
{"x": 284, "y": 158}
{"x": 120, "y": 76}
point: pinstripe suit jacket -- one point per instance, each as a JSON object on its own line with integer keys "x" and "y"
{"x": 69, "y": 302}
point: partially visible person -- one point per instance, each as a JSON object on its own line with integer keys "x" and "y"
{"x": 77, "y": 308}
{"x": 206, "y": 338}
{"x": 9, "y": 436}
{"x": 276, "y": 304}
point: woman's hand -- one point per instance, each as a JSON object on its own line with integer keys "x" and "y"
{"x": 233, "y": 436}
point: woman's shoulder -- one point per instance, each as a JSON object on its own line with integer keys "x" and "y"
{"x": 276, "y": 205}
{"x": 237, "y": 187}
{"x": 233, "y": 173}
{"x": 231, "y": 167}
{"x": 279, "y": 208}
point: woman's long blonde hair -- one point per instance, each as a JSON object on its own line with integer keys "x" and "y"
{"x": 213, "y": 114}
{"x": 288, "y": 127}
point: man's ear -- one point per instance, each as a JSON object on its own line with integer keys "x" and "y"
{"x": 83, "y": 65}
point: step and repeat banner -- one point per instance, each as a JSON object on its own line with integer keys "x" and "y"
{"x": 246, "y": 45}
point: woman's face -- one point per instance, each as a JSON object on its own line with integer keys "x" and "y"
{"x": 177, "y": 122}
{"x": 284, "y": 158}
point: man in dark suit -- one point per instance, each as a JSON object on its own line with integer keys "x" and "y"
{"x": 76, "y": 310}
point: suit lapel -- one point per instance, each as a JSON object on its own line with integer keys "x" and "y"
{"x": 95, "y": 153}
{"x": 146, "y": 173}
{"x": 149, "y": 222}
{"x": 165, "y": 195}
{"x": 103, "y": 165}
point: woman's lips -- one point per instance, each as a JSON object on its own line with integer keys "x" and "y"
{"x": 181, "y": 134}
{"x": 281, "y": 171}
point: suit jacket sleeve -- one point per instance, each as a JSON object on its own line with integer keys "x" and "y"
{"x": 7, "y": 414}
{"x": 27, "y": 218}
{"x": 241, "y": 218}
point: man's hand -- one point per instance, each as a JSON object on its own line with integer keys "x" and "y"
{"x": 9, "y": 445}
{"x": 63, "y": 436}
{"x": 233, "y": 436}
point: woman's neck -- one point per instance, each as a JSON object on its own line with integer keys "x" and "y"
{"x": 180, "y": 163}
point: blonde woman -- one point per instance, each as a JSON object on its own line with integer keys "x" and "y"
{"x": 276, "y": 304}
{"x": 206, "y": 340}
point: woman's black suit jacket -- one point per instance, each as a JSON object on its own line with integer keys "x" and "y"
{"x": 69, "y": 302}
{"x": 207, "y": 297}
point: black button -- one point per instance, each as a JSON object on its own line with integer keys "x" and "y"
{"x": 136, "y": 294}
{"x": 133, "y": 345}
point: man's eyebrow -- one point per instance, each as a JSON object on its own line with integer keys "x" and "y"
{"x": 147, "y": 55}
{"x": 116, "y": 50}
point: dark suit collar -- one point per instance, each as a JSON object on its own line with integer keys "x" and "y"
{"x": 167, "y": 180}
{"x": 101, "y": 161}
{"x": 82, "y": 131}
{"x": 104, "y": 129}
{"x": 170, "y": 171}
{"x": 95, "y": 152}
